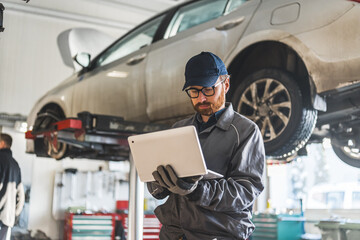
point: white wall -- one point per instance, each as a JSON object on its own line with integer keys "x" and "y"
{"x": 41, "y": 197}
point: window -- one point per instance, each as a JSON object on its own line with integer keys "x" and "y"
{"x": 194, "y": 14}
{"x": 319, "y": 197}
{"x": 335, "y": 200}
{"x": 323, "y": 198}
{"x": 320, "y": 179}
{"x": 356, "y": 200}
{"x": 141, "y": 37}
{"x": 233, "y": 5}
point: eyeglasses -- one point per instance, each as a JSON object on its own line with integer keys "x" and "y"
{"x": 207, "y": 91}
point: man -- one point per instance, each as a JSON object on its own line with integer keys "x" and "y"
{"x": 11, "y": 189}
{"x": 232, "y": 146}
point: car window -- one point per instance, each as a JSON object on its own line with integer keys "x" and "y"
{"x": 335, "y": 199}
{"x": 320, "y": 197}
{"x": 194, "y": 14}
{"x": 233, "y": 5}
{"x": 135, "y": 40}
{"x": 356, "y": 200}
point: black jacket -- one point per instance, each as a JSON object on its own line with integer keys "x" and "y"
{"x": 11, "y": 189}
{"x": 219, "y": 208}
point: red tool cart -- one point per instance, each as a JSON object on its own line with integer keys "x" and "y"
{"x": 90, "y": 226}
{"x": 106, "y": 226}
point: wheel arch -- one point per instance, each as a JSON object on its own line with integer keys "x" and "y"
{"x": 53, "y": 106}
{"x": 271, "y": 54}
{"x": 45, "y": 146}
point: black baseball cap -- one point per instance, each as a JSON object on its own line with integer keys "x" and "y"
{"x": 203, "y": 70}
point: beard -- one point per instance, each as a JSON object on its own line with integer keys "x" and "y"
{"x": 212, "y": 107}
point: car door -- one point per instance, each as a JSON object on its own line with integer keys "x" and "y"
{"x": 115, "y": 83}
{"x": 209, "y": 25}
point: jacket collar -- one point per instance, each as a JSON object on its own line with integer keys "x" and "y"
{"x": 226, "y": 118}
{"x": 6, "y": 150}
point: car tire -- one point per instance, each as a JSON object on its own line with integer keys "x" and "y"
{"x": 273, "y": 100}
{"x": 348, "y": 154}
{"x": 43, "y": 147}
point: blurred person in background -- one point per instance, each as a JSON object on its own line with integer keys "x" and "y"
{"x": 12, "y": 196}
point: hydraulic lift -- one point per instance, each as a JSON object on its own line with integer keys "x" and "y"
{"x": 102, "y": 137}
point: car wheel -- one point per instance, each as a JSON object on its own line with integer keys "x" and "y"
{"x": 273, "y": 100}
{"x": 348, "y": 150}
{"x": 45, "y": 147}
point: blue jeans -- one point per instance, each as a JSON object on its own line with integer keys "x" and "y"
{"x": 3, "y": 231}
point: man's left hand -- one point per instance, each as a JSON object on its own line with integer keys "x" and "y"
{"x": 167, "y": 178}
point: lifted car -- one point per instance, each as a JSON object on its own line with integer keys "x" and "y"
{"x": 287, "y": 60}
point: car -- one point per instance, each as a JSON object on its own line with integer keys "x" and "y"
{"x": 334, "y": 196}
{"x": 291, "y": 63}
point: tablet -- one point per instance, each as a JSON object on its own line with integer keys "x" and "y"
{"x": 178, "y": 147}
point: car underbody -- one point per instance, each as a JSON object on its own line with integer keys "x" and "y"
{"x": 341, "y": 123}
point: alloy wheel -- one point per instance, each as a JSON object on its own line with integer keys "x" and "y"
{"x": 267, "y": 102}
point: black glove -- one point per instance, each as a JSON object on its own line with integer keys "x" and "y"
{"x": 157, "y": 191}
{"x": 167, "y": 178}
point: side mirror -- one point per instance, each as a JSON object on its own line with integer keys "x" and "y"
{"x": 83, "y": 59}
{"x": 2, "y": 8}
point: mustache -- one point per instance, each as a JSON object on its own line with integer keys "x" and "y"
{"x": 203, "y": 104}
